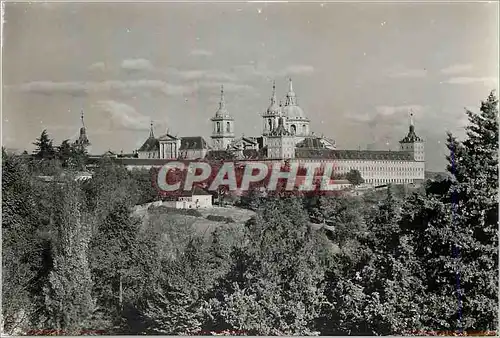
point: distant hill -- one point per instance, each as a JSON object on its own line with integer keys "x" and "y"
{"x": 13, "y": 151}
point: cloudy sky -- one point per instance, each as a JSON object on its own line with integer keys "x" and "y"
{"x": 357, "y": 68}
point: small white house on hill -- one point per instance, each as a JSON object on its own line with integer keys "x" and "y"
{"x": 194, "y": 199}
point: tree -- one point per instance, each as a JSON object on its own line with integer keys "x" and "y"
{"x": 354, "y": 177}
{"x": 455, "y": 230}
{"x": 68, "y": 299}
{"x": 64, "y": 152}
{"x": 474, "y": 204}
{"x": 273, "y": 286}
{"x": 44, "y": 148}
{"x": 144, "y": 180}
{"x": 173, "y": 305}
{"x": 20, "y": 257}
{"x": 113, "y": 256}
{"x": 78, "y": 157}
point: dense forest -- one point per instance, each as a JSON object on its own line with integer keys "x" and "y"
{"x": 77, "y": 261}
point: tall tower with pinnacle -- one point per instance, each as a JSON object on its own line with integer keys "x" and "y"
{"x": 82, "y": 140}
{"x": 223, "y": 126}
{"x": 270, "y": 116}
{"x": 413, "y": 143}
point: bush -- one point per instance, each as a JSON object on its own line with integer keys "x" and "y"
{"x": 217, "y": 218}
{"x": 192, "y": 212}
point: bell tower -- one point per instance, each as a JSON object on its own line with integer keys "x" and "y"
{"x": 223, "y": 126}
{"x": 270, "y": 117}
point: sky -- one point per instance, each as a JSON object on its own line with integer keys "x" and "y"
{"x": 357, "y": 69}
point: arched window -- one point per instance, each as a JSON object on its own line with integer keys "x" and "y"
{"x": 218, "y": 127}
{"x": 293, "y": 129}
{"x": 270, "y": 122}
{"x": 228, "y": 127}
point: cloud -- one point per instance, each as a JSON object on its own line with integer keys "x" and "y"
{"x": 470, "y": 80}
{"x": 200, "y": 52}
{"x": 124, "y": 116}
{"x": 137, "y": 64}
{"x": 299, "y": 69}
{"x": 457, "y": 68}
{"x": 86, "y": 88}
{"x": 401, "y": 72}
{"x": 246, "y": 72}
{"x": 391, "y": 110}
{"x": 382, "y": 121}
{"x": 228, "y": 87}
{"x": 197, "y": 75}
{"x": 97, "y": 66}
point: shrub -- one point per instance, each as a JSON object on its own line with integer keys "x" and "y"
{"x": 218, "y": 218}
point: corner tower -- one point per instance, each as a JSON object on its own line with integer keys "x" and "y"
{"x": 413, "y": 143}
{"x": 83, "y": 141}
{"x": 223, "y": 126}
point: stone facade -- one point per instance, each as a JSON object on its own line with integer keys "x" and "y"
{"x": 286, "y": 135}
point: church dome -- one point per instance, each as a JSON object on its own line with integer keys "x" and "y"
{"x": 294, "y": 113}
{"x": 273, "y": 108}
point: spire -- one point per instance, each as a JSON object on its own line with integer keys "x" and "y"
{"x": 222, "y": 111}
{"x": 82, "y": 139}
{"x": 151, "y": 132}
{"x": 412, "y": 136}
{"x": 273, "y": 107}
{"x": 412, "y": 125}
{"x": 273, "y": 97}
{"x": 81, "y": 116}
{"x": 290, "y": 96}
{"x": 222, "y": 103}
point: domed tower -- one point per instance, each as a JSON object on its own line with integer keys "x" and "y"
{"x": 270, "y": 117}
{"x": 223, "y": 126}
{"x": 412, "y": 143}
{"x": 296, "y": 121}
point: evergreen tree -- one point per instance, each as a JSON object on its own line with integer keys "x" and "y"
{"x": 20, "y": 257}
{"x": 273, "y": 286}
{"x": 64, "y": 152}
{"x": 44, "y": 148}
{"x": 78, "y": 157}
{"x": 354, "y": 177}
{"x": 113, "y": 256}
{"x": 68, "y": 299}
{"x": 474, "y": 203}
{"x": 455, "y": 231}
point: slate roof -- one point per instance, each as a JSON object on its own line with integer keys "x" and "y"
{"x": 249, "y": 140}
{"x": 228, "y": 155}
{"x": 354, "y": 154}
{"x": 411, "y": 137}
{"x": 196, "y": 191}
{"x": 311, "y": 143}
{"x": 167, "y": 137}
{"x": 219, "y": 155}
{"x": 193, "y": 143}
{"x": 151, "y": 144}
